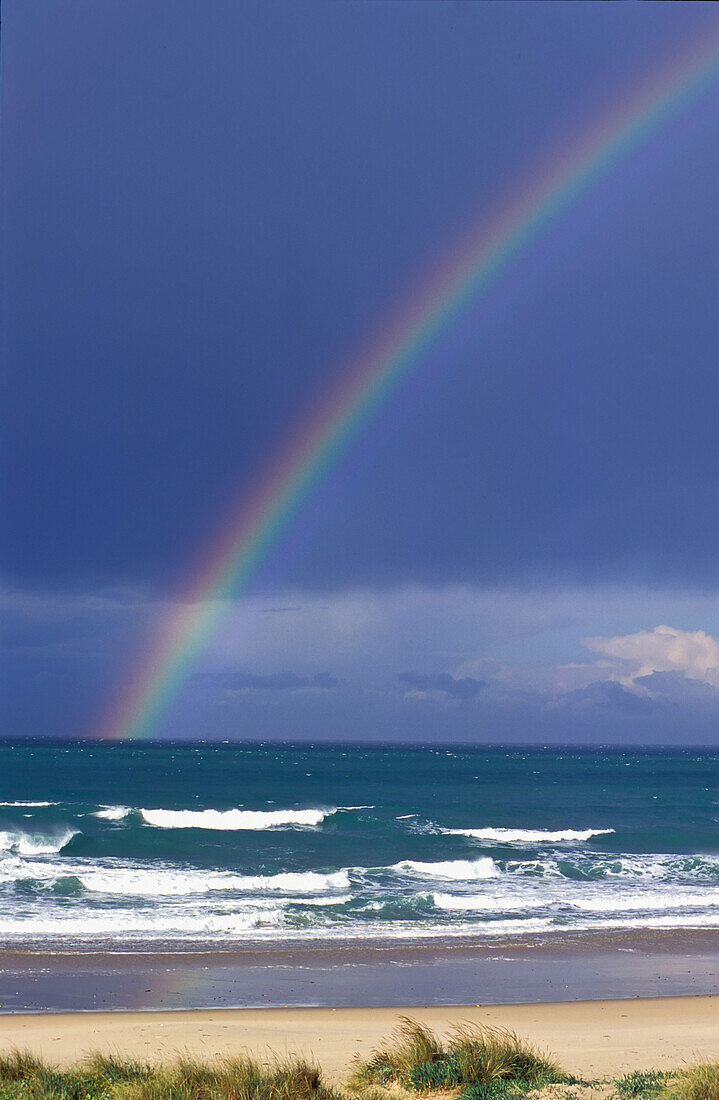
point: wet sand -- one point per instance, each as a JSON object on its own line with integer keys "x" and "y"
{"x": 592, "y": 1038}
{"x": 572, "y": 969}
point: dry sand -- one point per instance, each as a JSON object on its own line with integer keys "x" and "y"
{"x": 592, "y": 1038}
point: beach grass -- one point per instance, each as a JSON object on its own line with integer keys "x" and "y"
{"x": 485, "y": 1062}
{"x": 472, "y": 1063}
{"x": 103, "y": 1077}
{"x": 476, "y": 1064}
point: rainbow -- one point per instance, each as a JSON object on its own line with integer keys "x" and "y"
{"x": 374, "y": 374}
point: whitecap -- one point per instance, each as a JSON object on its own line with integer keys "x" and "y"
{"x": 30, "y": 805}
{"x": 529, "y": 836}
{"x": 113, "y": 813}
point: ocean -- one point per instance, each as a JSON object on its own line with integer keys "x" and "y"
{"x": 117, "y": 847}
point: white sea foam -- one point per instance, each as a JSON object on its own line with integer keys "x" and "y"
{"x": 638, "y": 901}
{"x": 654, "y": 867}
{"x": 14, "y": 869}
{"x": 484, "y": 902}
{"x": 529, "y": 836}
{"x": 693, "y": 920}
{"x": 234, "y": 820}
{"x": 532, "y": 925}
{"x": 548, "y": 868}
{"x": 460, "y": 869}
{"x": 113, "y": 813}
{"x": 556, "y": 900}
{"x": 165, "y": 923}
{"x": 341, "y": 899}
{"x": 270, "y": 919}
{"x": 25, "y": 844}
{"x": 256, "y": 921}
{"x": 659, "y": 867}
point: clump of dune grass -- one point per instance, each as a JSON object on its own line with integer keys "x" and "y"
{"x": 107, "y": 1077}
{"x": 410, "y": 1045}
{"x": 497, "y": 1090}
{"x": 642, "y": 1083}
{"x": 486, "y": 1057}
{"x": 697, "y": 1082}
{"x": 113, "y": 1069}
{"x": 25, "y": 1076}
{"x": 233, "y": 1079}
{"x": 19, "y": 1065}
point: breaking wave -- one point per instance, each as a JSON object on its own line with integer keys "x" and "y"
{"x": 26, "y": 844}
{"x": 177, "y": 883}
{"x": 486, "y": 902}
{"x": 234, "y": 820}
{"x": 460, "y": 869}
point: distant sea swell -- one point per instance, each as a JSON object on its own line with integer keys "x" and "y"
{"x": 410, "y": 844}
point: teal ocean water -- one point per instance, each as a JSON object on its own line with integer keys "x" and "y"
{"x": 225, "y": 846}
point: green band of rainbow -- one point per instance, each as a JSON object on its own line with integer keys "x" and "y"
{"x": 251, "y": 529}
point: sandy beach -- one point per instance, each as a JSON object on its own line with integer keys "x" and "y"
{"x": 592, "y": 1038}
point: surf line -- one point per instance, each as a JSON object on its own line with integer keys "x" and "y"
{"x": 252, "y": 527}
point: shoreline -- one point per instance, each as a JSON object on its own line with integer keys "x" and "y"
{"x": 591, "y": 1038}
{"x": 558, "y": 940}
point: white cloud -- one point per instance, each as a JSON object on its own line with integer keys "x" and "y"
{"x": 691, "y": 653}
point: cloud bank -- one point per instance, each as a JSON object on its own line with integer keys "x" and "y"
{"x": 374, "y": 664}
{"x": 442, "y": 684}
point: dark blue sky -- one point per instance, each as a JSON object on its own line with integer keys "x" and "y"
{"x": 207, "y": 207}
